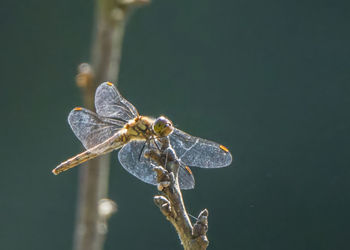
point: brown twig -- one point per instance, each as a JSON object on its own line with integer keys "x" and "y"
{"x": 171, "y": 203}
{"x": 110, "y": 18}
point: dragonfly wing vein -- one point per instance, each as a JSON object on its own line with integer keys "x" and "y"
{"x": 186, "y": 179}
{"x": 140, "y": 168}
{"x": 110, "y": 103}
{"x": 198, "y": 152}
{"x": 91, "y": 129}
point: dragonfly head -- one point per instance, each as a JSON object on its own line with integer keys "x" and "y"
{"x": 162, "y": 126}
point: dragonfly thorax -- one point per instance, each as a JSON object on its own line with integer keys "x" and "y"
{"x": 140, "y": 128}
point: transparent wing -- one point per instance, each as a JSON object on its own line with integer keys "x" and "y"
{"x": 197, "y": 152}
{"x": 110, "y": 103}
{"x": 90, "y": 128}
{"x": 143, "y": 168}
{"x": 186, "y": 179}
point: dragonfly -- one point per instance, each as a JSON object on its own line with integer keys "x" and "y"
{"x": 117, "y": 124}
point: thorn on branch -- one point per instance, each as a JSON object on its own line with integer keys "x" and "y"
{"x": 200, "y": 228}
{"x": 162, "y": 174}
{"x": 163, "y": 204}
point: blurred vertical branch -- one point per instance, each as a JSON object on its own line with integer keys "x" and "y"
{"x": 92, "y": 215}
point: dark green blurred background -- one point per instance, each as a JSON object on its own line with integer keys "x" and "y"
{"x": 268, "y": 79}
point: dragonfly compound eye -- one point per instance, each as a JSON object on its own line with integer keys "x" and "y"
{"x": 162, "y": 126}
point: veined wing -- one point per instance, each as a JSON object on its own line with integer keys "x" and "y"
{"x": 110, "y": 103}
{"x": 91, "y": 129}
{"x": 143, "y": 168}
{"x": 186, "y": 179}
{"x": 105, "y": 147}
{"x": 198, "y": 152}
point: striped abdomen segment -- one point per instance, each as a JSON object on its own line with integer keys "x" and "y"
{"x": 115, "y": 142}
{"x": 74, "y": 161}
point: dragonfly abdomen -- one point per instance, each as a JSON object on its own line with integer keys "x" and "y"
{"x": 74, "y": 161}
{"x": 116, "y": 141}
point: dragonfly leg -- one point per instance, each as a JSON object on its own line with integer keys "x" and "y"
{"x": 143, "y": 147}
{"x": 155, "y": 142}
{"x": 166, "y": 159}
